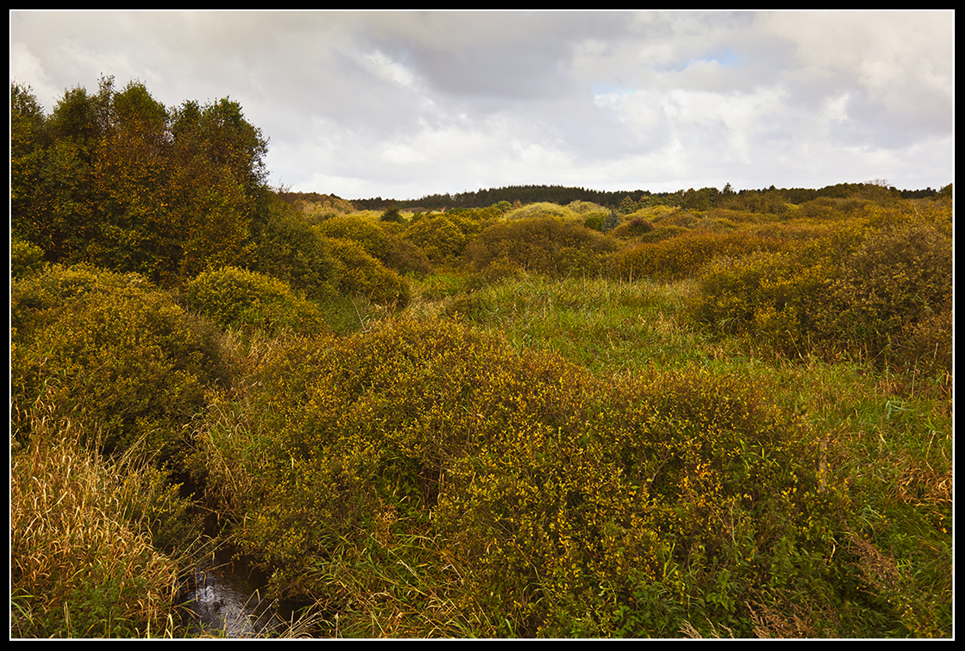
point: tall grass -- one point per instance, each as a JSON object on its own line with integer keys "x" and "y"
{"x": 607, "y": 325}
{"x": 85, "y": 533}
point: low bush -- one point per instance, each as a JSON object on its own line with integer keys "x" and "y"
{"x": 25, "y": 258}
{"x": 363, "y": 275}
{"x": 871, "y": 295}
{"x": 112, "y": 352}
{"x": 524, "y": 497}
{"x": 289, "y": 249}
{"x": 542, "y": 245}
{"x": 246, "y": 300}
{"x": 683, "y": 256}
{"x": 389, "y": 248}
{"x": 364, "y": 232}
{"x": 542, "y": 210}
{"x": 897, "y": 279}
{"x": 439, "y": 236}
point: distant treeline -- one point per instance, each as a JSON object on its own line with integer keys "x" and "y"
{"x": 764, "y": 200}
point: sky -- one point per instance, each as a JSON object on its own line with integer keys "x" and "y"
{"x": 404, "y": 104}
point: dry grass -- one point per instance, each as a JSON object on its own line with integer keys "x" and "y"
{"x": 79, "y": 567}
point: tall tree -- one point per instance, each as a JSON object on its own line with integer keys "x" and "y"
{"x": 218, "y": 177}
{"x": 119, "y": 180}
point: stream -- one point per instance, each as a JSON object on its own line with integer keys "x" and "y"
{"x": 223, "y": 598}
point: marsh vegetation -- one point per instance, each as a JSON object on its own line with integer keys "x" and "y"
{"x": 650, "y": 419}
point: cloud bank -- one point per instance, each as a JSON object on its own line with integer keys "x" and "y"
{"x": 405, "y": 104}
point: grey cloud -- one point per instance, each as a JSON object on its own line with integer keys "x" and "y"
{"x": 442, "y": 100}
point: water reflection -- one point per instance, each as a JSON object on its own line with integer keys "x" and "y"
{"x": 223, "y": 598}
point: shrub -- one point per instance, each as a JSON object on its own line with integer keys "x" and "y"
{"x": 246, "y": 300}
{"x": 363, "y": 275}
{"x": 633, "y": 228}
{"x": 585, "y": 208}
{"x": 25, "y": 258}
{"x": 608, "y": 520}
{"x": 367, "y": 234}
{"x": 541, "y": 245}
{"x": 392, "y": 214}
{"x": 396, "y": 253}
{"x": 683, "y": 256}
{"x": 542, "y": 210}
{"x": 531, "y": 498}
{"x": 111, "y": 352}
{"x": 594, "y": 222}
{"x": 780, "y": 300}
{"x": 662, "y": 233}
{"x": 289, "y": 249}
{"x": 881, "y": 296}
{"x": 897, "y": 279}
{"x": 405, "y": 257}
{"x": 441, "y": 239}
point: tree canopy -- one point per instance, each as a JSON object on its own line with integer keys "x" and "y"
{"x": 119, "y": 180}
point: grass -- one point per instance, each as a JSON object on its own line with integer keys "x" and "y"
{"x": 608, "y": 326}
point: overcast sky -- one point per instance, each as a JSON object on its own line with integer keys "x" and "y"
{"x": 405, "y": 104}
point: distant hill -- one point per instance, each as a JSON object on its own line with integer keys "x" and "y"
{"x": 624, "y": 200}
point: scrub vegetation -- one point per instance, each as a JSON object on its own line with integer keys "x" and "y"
{"x": 559, "y": 414}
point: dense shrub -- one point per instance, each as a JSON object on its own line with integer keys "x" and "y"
{"x": 25, "y": 258}
{"x": 594, "y": 222}
{"x": 587, "y": 208}
{"x": 542, "y": 210}
{"x": 662, "y": 233}
{"x": 633, "y": 228}
{"x": 289, "y": 249}
{"x": 111, "y": 352}
{"x": 896, "y": 280}
{"x": 245, "y": 300}
{"x": 441, "y": 239}
{"x": 404, "y": 257}
{"x": 380, "y": 241}
{"x": 532, "y": 499}
{"x": 362, "y": 275}
{"x": 683, "y": 256}
{"x": 364, "y": 232}
{"x": 868, "y": 295}
{"x": 541, "y": 245}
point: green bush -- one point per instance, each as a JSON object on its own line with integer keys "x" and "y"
{"x": 396, "y": 253}
{"x": 364, "y": 232}
{"x": 112, "y": 352}
{"x": 363, "y": 275}
{"x": 683, "y": 256}
{"x": 289, "y": 249}
{"x": 25, "y": 258}
{"x": 543, "y": 210}
{"x": 897, "y": 279}
{"x": 544, "y": 245}
{"x": 594, "y": 222}
{"x": 439, "y": 236}
{"x": 881, "y": 295}
{"x": 633, "y": 228}
{"x": 246, "y": 300}
{"x": 530, "y": 498}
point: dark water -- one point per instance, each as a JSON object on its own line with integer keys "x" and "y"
{"x": 223, "y": 598}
